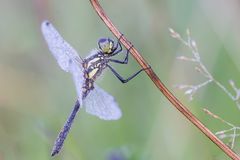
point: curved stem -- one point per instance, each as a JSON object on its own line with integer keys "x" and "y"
{"x": 152, "y": 75}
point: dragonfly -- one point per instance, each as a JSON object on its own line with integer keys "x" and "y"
{"x": 84, "y": 72}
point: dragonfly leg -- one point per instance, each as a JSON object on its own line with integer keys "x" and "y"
{"x": 125, "y": 61}
{"x": 127, "y": 79}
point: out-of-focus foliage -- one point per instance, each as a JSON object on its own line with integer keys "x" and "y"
{"x": 36, "y": 95}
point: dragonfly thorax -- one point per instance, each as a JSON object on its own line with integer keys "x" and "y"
{"x": 93, "y": 67}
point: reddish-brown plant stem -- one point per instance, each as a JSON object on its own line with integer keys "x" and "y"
{"x": 178, "y": 105}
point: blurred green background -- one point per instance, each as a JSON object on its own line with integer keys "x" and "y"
{"x": 36, "y": 96}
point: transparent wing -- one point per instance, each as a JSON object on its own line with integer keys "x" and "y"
{"x": 102, "y": 104}
{"x": 67, "y": 58}
{"x": 78, "y": 78}
{"x": 60, "y": 49}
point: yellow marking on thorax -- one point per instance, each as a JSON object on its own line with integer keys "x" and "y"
{"x": 92, "y": 61}
{"x": 92, "y": 73}
{"x": 86, "y": 75}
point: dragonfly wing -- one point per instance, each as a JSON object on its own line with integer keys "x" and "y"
{"x": 78, "y": 78}
{"x": 61, "y": 50}
{"x": 67, "y": 58}
{"x": 102, "y": 105}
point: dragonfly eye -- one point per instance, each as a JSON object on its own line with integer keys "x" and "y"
{"x": 106, "y": 45}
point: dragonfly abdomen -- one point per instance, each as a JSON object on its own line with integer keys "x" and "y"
{"x": 87, "y": 87}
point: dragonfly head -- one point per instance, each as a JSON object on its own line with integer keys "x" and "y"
{"x": 106, "y": 45}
